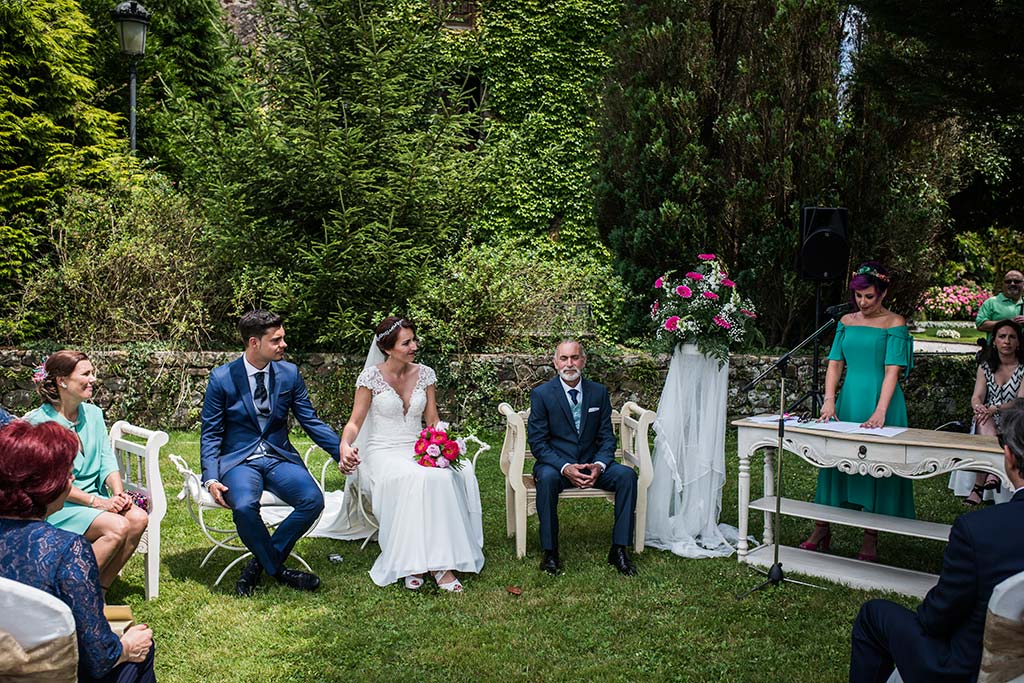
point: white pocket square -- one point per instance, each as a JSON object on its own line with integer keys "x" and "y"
{"x": 594, "y": 409}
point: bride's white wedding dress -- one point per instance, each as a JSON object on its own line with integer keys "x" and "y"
{"x": 429, "y": 518}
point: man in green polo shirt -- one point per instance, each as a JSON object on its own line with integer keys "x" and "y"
{"x": 1007, "y": 305}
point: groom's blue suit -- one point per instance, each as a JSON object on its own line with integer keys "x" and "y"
{"x": 555, "y": 442}
{"x": 231, "y": 434}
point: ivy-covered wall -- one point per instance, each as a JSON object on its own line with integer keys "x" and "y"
{"x": 164, "y": 389}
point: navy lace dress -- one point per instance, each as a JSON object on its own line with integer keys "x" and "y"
{"x": 63, "y": 564}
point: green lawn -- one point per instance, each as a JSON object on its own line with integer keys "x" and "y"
{"x": 677, "y": 620}
{"x": 968, "y": 335}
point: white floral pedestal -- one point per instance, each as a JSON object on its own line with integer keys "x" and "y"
{"x": 685, "y": 497}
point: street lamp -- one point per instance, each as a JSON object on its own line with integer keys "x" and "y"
{"x": 132, "y": 21}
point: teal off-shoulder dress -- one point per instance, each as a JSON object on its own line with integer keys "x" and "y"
{"x": 866, "y": 351}
{"x": 93, "y": 464}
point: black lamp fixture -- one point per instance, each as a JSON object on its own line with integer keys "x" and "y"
{"x": 132, "y": 21}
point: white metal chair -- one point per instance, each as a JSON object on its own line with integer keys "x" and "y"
{"x": 201, "y": 504}
{"x": 37, "y": 635}
{"x": 632, "y": 425}
{"x": 140, "y": 472}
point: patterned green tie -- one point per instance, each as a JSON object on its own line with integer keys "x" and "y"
{"x": 577, "y": 407}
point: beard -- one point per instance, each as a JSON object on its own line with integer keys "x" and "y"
{"x": 570, "y": 374}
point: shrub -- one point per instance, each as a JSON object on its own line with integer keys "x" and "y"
{"x": 129, "y": 265}
{"x": 946, "y": 333}
{"x": 954, "y": 302}
{"x": 506, "y": 296}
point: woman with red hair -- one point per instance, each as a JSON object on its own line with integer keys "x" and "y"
{"x": 98, "y": 506}
{"x": 35, "y": 479}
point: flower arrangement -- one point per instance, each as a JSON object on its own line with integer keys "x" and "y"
{"x": 954, "y": 302}
{"x": 434, "y": 448}
{"x": 702, "y": 307}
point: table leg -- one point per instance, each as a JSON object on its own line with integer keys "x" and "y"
{"x": 769, "y": 490}
{"x": 744, "y": 503}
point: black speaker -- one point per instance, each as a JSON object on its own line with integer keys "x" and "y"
{"x": 824, "y": 243}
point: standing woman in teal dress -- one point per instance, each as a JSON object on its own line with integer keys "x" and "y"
{"x": 98, "y": 506}
{"x": 874, "y": 346}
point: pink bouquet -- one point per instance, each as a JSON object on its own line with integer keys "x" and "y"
{"x": 434, "y": 448}
{"x": 702, "y": 307}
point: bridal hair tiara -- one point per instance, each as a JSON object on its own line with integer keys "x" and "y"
{"x": 868, "y": 270}
{"x": 391, "y": 329}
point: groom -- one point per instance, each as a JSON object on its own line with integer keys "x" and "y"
{"x": 571, "y": 437}
{"x": 245, "y": 449}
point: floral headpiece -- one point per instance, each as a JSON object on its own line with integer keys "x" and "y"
{"x": 391, "y": 329}
{"x": 868, "y": 270}
{"x": 39, "y": 374}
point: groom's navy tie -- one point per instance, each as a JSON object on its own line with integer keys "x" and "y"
{"x": 259, "y": 396}
{"x": 577, "y": 409}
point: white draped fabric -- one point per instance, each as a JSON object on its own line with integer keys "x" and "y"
{"x": 685, "y": 497}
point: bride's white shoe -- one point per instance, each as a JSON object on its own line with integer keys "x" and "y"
{"x": 452, "y": 586}
{"x": 413, "y": 582}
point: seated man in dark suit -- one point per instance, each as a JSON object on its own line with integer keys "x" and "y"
{"x": 245, "y": 449}
{"x": 941, "y": 642}
{"x": 570, "y": 435}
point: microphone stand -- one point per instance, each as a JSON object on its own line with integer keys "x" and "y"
{"x": 775, "y": 575}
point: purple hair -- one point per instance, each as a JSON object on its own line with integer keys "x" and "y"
{"x": 870, "y": 274}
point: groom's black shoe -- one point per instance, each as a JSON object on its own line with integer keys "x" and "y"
{"x": 551, "y": 564}
{"x": 293, "y": 578}
{"x": 619, "y": 558}
{"x": 247, "y": 582}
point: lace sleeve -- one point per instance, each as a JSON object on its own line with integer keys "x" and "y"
{"x": 366, "y": 377}
{"x": 78, "y": 581}
{"x": 427, "y": 376}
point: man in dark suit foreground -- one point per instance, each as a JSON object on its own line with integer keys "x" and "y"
{"x": 245, "y": 449}
{"x": 570, "y": 434}
{"x": 941, "y": 642}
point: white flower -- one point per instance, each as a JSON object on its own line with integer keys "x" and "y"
{"x": 433, "y": 450}
{"x": 442, "y": 425}
{"x": 461, "y": 443}
{"x": 442, "y": 463}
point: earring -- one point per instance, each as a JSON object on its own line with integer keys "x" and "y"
{"x": 64, "y": 384}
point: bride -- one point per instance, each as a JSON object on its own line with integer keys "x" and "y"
{"x": 429, "y": 519}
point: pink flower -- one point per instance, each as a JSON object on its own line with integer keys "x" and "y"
{"x": 706, "y": 257}
{"x": 710, "y": 295}
{"x": 461, "y": 443}
{"x": 659, "y": 283}
{"x": 450, "y": 450}
{"x": 726, "y": 282}
{"x": 442, "y": 463}
{"x": 433, "y": 450}
{"x": 421, "y": 446}
{"x": 749, "y": 314}
{"x": 694, "y": 276}
{"x": 684, "y": 291}
{"x": 672, "y": 324}
{"x": 427, "y": 461}
{"x": 721, "y": 322}
{"x": 654, "y": 309}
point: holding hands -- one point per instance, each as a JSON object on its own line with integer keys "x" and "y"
{"x": 582, "y": 475}
{"x": 118, "y": 504}
{"x": 348, "y": 459}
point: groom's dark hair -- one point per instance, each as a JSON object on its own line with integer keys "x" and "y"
{"x": 256, "y": 323}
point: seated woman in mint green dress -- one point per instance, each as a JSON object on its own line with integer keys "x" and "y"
{"x": 98, "y": 506}
{"x": 874, "y": 346}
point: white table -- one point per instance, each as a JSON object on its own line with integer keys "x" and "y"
{"x": 914, "y": 454}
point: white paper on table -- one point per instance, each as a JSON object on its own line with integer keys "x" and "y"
{"x": 773, "y": 419}
{"x": 853, "y": 428}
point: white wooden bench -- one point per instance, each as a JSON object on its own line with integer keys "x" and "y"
{"x": 631, "y": 424}
{"x": 138, "y": 455}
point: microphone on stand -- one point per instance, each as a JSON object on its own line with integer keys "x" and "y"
{"x": 839, "y": 310}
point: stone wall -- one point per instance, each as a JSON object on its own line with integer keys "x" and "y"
{"x": 165, "y": 388}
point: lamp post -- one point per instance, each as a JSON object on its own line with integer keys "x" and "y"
{"x": 132, "y": 21}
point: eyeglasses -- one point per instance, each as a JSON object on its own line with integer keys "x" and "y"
{"x": 1013, "y": 281}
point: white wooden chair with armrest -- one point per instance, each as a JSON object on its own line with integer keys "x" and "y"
{"x": 201, "y": 505}
{"x": 364, "y": 504}
{"x": 1002, "y": 657}
{"x": 140, "y": 472}
{"x": 37, "y": 636}
{"x": 632, "y": 425}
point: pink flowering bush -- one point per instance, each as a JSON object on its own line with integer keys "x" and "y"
{"x": 702, "y": 307}
{"x": 954, "y": 302}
